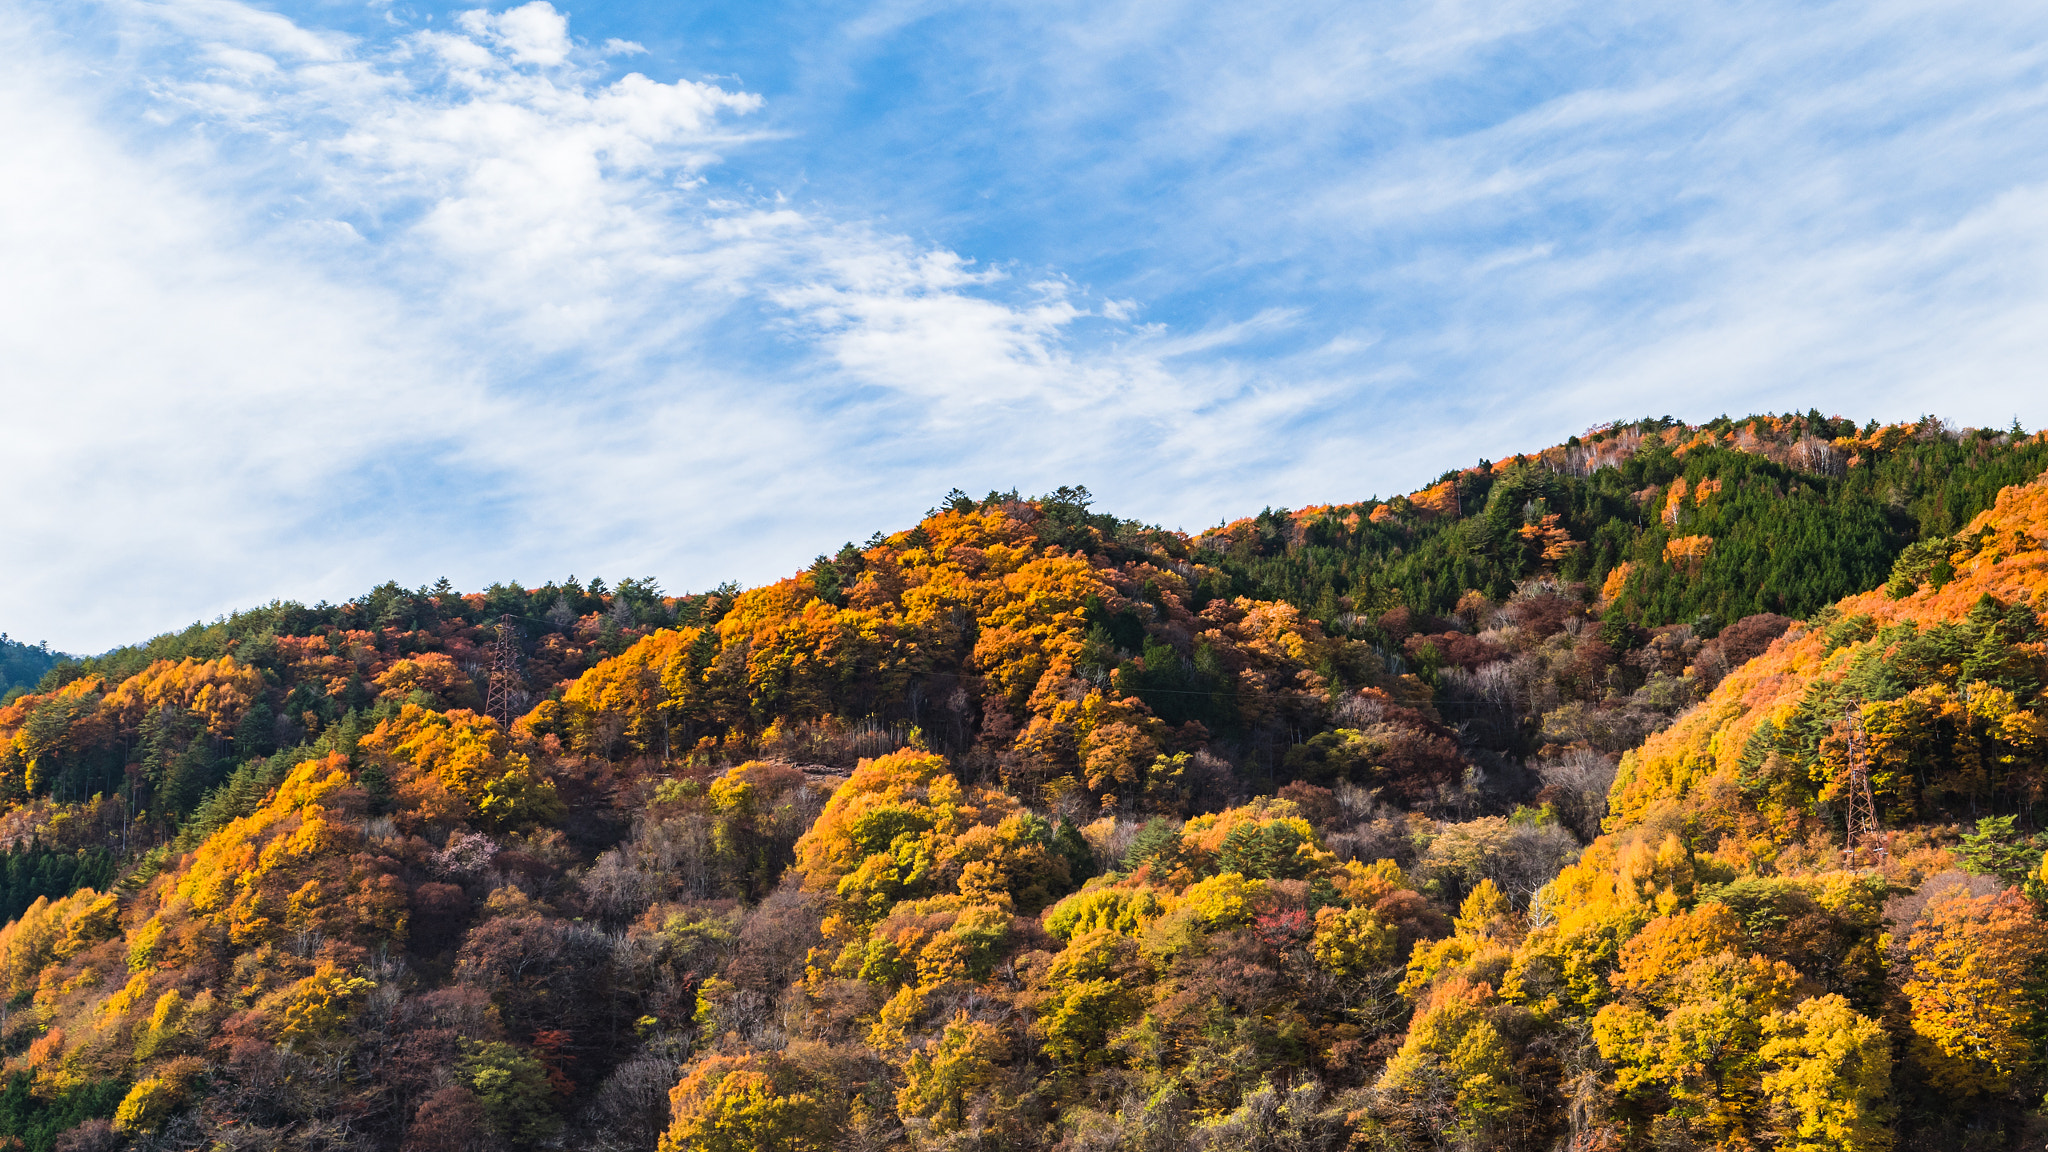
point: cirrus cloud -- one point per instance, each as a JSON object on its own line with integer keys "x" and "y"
{"x": 302, "y": 297}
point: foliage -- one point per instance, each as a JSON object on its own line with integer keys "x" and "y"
{"x": 513, "y": 1089}
{"x": 1991, "y": 850}
{"x": 1829, "y": 1074}
{"x": 38, "y": 1119}
{"x": 33, "y": 872}
{"x": 1766, "y": 514}
{"x": 23, "y": 665}
{"x": 1034, "y": 828}
{"x": 939, "y": 1079}
{"x": 1971, "y": 964}
{"x": 734, "y": 1104}
{"x": 459, "y": 766}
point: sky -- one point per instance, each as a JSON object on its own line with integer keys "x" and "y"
{"x": 299, "y": 297}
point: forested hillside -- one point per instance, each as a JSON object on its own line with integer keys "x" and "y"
{"x": 1673, "y": 523}
{"x": 1505, "y": 814}
{"x": 22, "y": 666}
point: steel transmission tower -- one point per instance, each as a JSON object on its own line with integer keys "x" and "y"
{"x": 504, "y": 672}
{"x": 1861, "y": 830}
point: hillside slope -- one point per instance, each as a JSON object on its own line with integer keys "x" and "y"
{"x": 1711, "y": 967}
{"x": 1944, "y": 669}
{"x": 1025, "y": 828}
{"x": 23, "y": 665}
{"x": 1672, "y": 523}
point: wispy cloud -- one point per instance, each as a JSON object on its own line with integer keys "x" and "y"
{"x": 456, "y": 301}
{"x": 292, "y": 306}
{"x": 1514, "y": 198}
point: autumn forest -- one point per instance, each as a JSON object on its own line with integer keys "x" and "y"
{"x": 1675, "y": 787}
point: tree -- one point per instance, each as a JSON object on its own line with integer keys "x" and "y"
{"x": 314, "y": 1009}
{"x": 153, "y": 1099}
{"x": 1972, "y": 964}
{"x": 512, "y": 1090}
{"x": 1992, "y": 850}
{"x": 734, "y": 1103}
{"x": 1351, "y": 941}
{"x": 450, "y": 1120}
{"x": 1828, "y": 1078}
{"x": 1454, "y": 1067}
{"x": 460, "y": 766}
{"x": 1695, "y": 1069}
{"x": 939, "y": 1080}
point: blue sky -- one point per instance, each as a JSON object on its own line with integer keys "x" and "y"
{"x": 305, "y": 296}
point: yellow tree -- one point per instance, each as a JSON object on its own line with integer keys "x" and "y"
{"x": 1454, "y": 1065}
{"x": 459, "y": 766}
{"x": 1479, "y": 948}
{"x": 1095, "y": 989}
{"x": 1351, "y": 941}
{"x": 1971, "y": 964}
{"x": 1686, "y": 1042}
{"x": 1829, "y": 1078}
{"x": 734, "y": 1103}
{"x": 941, "y": 1079}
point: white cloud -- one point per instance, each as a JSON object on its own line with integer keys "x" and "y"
{"x": 288, "y": 311}
{"x": 1548, "y": 213}
{"x": 530, "y": 34}
{"x": 450, "y": 304}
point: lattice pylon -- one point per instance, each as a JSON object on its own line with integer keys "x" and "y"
{"x": 1861, "y": 830}
{"x": 504, "y": 673}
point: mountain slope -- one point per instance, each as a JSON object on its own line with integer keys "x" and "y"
{"x": 1026, "y": 828}
{"x": 1944, "y": 674}
{"x": 1721, "y": 876}
{"x": 1670, "y": 522}
{"x": 23, "y": 665}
